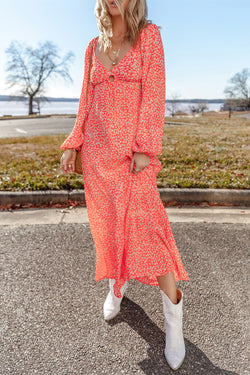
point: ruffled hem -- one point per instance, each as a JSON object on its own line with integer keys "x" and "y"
{"x": 145, "y": 279}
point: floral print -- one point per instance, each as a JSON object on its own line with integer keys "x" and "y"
{"x": 124, "y": 113}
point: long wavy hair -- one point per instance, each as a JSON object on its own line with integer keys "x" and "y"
{"x": 135, "y": 17}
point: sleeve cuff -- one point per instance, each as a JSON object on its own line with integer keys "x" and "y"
{"x": 137, "y": 149}
{"x": 71, "y": 143}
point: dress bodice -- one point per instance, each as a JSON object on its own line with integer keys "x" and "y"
{"x": 128, "y": 70}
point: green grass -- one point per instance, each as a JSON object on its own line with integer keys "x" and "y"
{"x": 212, "y": 154}
{"x": 33, "y": 163}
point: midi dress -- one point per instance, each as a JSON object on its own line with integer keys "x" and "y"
{"x": 124, "y": 113}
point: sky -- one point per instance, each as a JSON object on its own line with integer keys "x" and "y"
{"x": 205, "y": 42}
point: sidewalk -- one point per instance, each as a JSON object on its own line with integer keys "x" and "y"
{"x": 239, "y": 215}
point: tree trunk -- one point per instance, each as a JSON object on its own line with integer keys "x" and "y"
{"x": 31, "y": 105}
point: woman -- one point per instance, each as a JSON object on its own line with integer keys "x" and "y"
{"x": 123, "y": 119}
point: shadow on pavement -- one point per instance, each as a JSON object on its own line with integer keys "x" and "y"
{"x": 196, "y": 362}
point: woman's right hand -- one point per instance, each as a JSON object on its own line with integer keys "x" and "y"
{"x": 68, "y": 160}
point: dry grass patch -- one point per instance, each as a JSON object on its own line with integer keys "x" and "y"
{"x": 214, "y": 153}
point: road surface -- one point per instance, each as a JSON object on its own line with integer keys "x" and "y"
{"x": 52, "y": 307}
{"x": 39, "y": 126}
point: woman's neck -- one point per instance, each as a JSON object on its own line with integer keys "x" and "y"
{"x": 119, "y": 28}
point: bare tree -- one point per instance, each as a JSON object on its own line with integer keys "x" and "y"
{"x": 173, "y": 105}
{"x": 193, "y": 109}
{"x": 198, "y": 108}
{"x": 201, "y": 107}
{"x": 238, "y": 93}
{"x": 230, "y": 104}
{"x": 30, "y": 69}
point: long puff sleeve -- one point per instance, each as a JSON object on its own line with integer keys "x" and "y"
{"x": 75, "y": 139}
{"x": 152, "y": 112}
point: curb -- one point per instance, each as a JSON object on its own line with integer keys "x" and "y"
{"x": 197, "y": 195}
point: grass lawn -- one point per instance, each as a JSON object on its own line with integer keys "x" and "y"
{"x": 214, "y": 153}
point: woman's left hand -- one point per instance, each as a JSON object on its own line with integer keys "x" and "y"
{"x": 139, "y": 161}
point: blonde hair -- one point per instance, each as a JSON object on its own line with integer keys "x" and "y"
{"x": 135, "y": 17}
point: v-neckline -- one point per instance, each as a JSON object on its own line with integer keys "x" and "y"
{"x": 99, "y": 61}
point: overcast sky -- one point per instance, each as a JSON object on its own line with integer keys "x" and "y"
{"x": 205, "y": 42}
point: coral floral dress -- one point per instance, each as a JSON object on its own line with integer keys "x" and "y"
{"x": 124, "y": 113}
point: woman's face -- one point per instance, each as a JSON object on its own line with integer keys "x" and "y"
{"x": 114, "y": 10}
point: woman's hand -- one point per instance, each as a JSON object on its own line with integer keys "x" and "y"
{"x": 68, "y": 160}
{"x": 140, "y": 161}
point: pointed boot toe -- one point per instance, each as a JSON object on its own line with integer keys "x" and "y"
{"x": 112, "y": 304}
{"x": 111, "y": 307}
{"x": 174, "y": 360}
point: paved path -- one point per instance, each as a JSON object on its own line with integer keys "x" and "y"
{"x": 245, "y": 115}
{"x": 80, "y": 215}
{"x": 51, "y": 310}
{"x": 48, "y": 126}
{"x": 36, "y": 126}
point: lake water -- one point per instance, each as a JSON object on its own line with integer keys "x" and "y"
{"x": 18, "y": 108}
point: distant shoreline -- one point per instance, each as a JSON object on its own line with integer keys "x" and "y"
{"x": 21, "y": 108}
{"x": 7, "y": 98}
{"x": 35, "y": 116}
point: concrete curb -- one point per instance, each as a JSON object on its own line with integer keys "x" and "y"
{"x": 198, "y": 195}
{"x": 195, "y": 195}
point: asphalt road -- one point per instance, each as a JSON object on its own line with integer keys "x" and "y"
{"x": 43, "y": 126}
{"x": 51, "y": 306}
{"x": 39, "y": 126}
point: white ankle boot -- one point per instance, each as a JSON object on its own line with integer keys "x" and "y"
{"x": 175, "y": 346}
{"x": 112, "y": 303}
